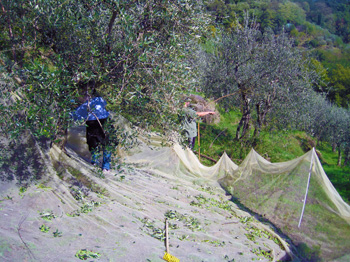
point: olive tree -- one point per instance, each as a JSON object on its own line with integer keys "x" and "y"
{"x": 135, "y": 53}
{"x": 321, "y": 119}
{"x": 258, "y": 70}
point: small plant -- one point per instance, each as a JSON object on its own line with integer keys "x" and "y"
{"x": 85, "y": 208}
{"x": 254, "y": 232}
{"x": 215, "y": 242}
{"x": 150, "y": 228}
{"x": 47, "y": 215}
{"x": 228, "y": 259}
{"x": 84, "y": 254}
{"x": 57, "y": 233}
{"x": 42, "y": 186}
{"x": 8, "y": 197}
{"x": 246, "y": 220}
{"x": 77, "y": 194}
{"x": 261, "y": 252}
{"x": 207, "y": 189}
{"x": 189, "y": 222}
{"x": 183, "y": 237}
{"x": 22, "y": 190}
{"x": 44, "y": 228}
{"x": 250, "y": 236}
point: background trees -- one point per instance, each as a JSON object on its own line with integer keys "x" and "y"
{"x": 340, "y": 91}
{"x": 322, "y": 26}
{"x": 317, "y": 27}
{"x": 263, "y": 70}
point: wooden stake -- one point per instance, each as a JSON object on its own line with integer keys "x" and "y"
{"x": 167, "y": 256}
{"x": 166, "y": 236}
{"x": 199, "y": 144}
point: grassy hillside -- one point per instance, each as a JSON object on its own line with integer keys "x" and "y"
{"x": 273, "y": 145}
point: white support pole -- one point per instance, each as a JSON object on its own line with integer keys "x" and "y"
{"x": 307, "y": 187}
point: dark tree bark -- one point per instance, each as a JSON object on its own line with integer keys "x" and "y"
{"x": 109, "y": 30}
{"x": 339, "y": 156}
{"x": 347, "y": 156}
{"x": 244, "y": 123}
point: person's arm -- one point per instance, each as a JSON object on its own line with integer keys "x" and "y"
{"x": 205, "y": 113}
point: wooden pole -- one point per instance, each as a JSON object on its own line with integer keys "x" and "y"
{"x": 166, "y": 236}
{"x": 207, "y": 157}
{"x": 199, "y": 144}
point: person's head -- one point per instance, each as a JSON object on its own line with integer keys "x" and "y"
{"x": 187, "y": 102}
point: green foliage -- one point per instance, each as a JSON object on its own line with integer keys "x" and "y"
{"x": 84, "y": 254}
{"x": 341, "y": 83}
{"x": 339, "y": 175}
{"x": 309, "y": 253}
{"x": 85, "y": 208}
{"x": 22, "y": 189}
{"x": 44, "y": 228}
{"x": 188, "y": 221}
{"x": 150, "y": 228}
{"x": 47, "y": 215}
{"x": 57, "y": 233}
{"x": 292, "y": 12}
{"x": 268, "y": 254}
{"x": 256, "y": 72}
{"x": 135, "y": 54}
{"x": 319, "y": 25}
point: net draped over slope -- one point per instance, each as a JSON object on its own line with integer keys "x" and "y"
{"x": 276, "y": 191}
{"x": 121, "y": 216}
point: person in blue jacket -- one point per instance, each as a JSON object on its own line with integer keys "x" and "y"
{"x": 93, "y": 111}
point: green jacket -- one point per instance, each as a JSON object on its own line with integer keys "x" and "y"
{"x": 189, "y": 117}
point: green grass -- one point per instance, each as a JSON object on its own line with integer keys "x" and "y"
{"x": 275, "y": 146}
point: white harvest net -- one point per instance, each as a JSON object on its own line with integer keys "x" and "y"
{"x": 121, "y": 217}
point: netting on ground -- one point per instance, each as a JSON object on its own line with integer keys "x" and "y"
{"x": 158, "y": 180}
{"x": 72, "y": 213}
{"x": 276, "y": 191}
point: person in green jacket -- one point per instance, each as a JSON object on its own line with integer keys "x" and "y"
{"x": 189, "y": 122}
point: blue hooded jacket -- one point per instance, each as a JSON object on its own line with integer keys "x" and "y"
{"x": 91, "y": 109}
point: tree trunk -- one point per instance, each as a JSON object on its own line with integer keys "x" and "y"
{"x": 109, "y": 30}
{"x": 339, "y": 156}
{"x": 244, "y": 123}
{"x": 258, "y": 121}
{"x": 261, "y": 114}
{"x": 334, "y": 147}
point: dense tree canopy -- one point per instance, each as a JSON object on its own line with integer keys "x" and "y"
{"x": 261, "y": 69}
{"x": 322, "y": 25}
{"x": 139, "y": 56}
{"x": 134, "y": 53}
